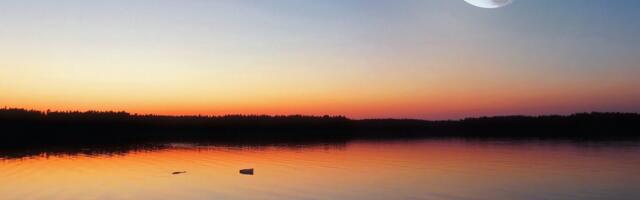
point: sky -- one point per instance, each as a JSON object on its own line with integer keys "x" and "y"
{"x": 427, "y": 59}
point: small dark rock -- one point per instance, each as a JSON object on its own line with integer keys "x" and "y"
{"x": 182, "y": 172}
{"x": 247, "y": 171}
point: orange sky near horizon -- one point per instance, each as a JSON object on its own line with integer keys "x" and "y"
{"x": 431, "y": 92}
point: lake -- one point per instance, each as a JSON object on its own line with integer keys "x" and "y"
{"x": 411, "y": 169}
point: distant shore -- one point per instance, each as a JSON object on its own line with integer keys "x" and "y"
{"x": 30, "y": 127}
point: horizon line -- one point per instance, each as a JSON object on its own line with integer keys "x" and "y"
{"x": 47, "y": 111}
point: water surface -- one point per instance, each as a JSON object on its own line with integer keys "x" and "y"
{"x": 418, "y": 169}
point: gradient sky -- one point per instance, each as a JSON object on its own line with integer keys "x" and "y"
{"x": 432, "y": 59}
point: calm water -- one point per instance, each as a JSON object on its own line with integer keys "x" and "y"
{"x": 424, "y": 169}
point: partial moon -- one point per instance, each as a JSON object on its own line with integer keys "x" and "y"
{"x": 489, "y": 3}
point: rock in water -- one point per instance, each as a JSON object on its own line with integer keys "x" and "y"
{"x": 247, "y": 171}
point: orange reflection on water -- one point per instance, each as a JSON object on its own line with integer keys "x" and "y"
{"x": 360, "y": 170}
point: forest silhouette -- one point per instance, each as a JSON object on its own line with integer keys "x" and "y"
{"x": 21, "y": 127}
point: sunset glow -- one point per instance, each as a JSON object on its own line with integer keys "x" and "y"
{"x": 401, "y": 59}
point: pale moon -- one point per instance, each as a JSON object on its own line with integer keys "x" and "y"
{"x": 489, "y": 3}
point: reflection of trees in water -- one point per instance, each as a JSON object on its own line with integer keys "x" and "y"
{"x": 121, "y": 150}
{"x": 92, "y": 150}
{"x": 36, "y": 132}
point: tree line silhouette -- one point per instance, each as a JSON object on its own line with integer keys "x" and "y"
{"x": 32, "y": 127}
